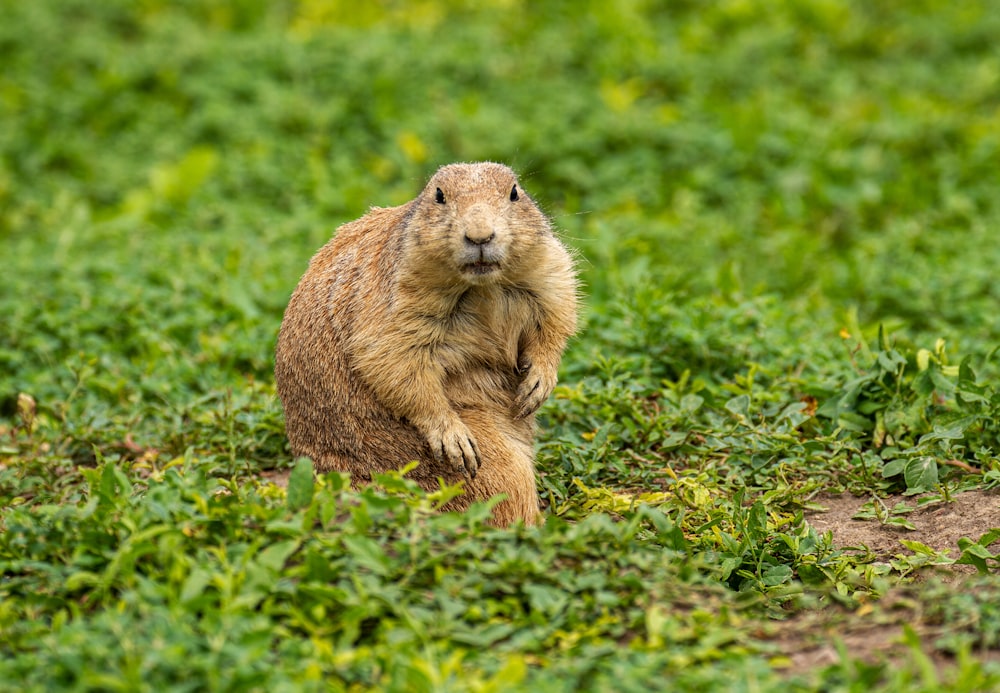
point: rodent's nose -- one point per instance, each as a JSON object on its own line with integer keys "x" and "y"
{"x": 478, "y": 224}
{"x": 479, "y": 236}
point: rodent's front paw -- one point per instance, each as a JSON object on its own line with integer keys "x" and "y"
{"x": 534, "y": 389}
{"x": 455, "y": 443}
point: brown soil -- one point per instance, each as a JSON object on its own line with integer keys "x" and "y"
{"x": 873, "y": 632}
{"x": 817, "y": 639}
{"x": 278, "y": 477}
{"x": 939, "y": 525}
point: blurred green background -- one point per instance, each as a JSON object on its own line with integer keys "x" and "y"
{"x": 745, "y": 182}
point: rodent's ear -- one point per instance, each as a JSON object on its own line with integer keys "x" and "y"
{"x": 513, "y": 193}
{"x": 439, "y": 197}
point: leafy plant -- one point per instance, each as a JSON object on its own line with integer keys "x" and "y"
{"x": 977, "y": 553}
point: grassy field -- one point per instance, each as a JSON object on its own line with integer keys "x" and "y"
{"x": 786, "y": 215}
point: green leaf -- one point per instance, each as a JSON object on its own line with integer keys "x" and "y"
{"x": 195, "y": 585}
{"x": 276, "y": 555}
{"x": 966, "y": 376}
{"x": 80, "y": 580}
{"x": 511, "y": 674}
{"x": 893, "y": 467}
{"x": 176, "y": 182}
{"x": 115, "y": 485}
{"x": 483, "y": 637}
{"x": 976, "y": 554}
{"x": 891, "y": 361}
{"x": 776, "y": 575}
{"x": 545, "y": 598}
{"x": 989, "y": 537}
{"x": 941, "y": 382}
{"x": 757, "y": 521}
{"x": 974, "y": 548}
{"x": 368, "y": 553}
{"x": 923, "y": 383}
{"x": 920, "y": 474}
{"x": 851, "y": 421}
{"x": 952, "y": 431}
{"x": 301, "y": 484}
{"x": 740, "y": 406}
{"x": 919, "y": 548}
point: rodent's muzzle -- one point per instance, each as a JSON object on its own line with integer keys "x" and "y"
{"x": 482, "y": 258}
{"x": 481, "y": 252}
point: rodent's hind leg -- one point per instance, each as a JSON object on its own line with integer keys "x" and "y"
{"x": 340, "y": 463}
{"x": 507, "y": 466}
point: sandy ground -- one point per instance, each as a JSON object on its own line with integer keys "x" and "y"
{"x": 814, "y": 640}
{"x": 939, "y": 525}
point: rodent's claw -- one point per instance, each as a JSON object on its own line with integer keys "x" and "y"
{"x": 473, "y": 469}
{"x": 466, "y": 454}
{"x": 456, "y": 445}
{"x": 532, "y": 393}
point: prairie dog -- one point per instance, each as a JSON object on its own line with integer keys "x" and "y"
{"x": 432, "y": 331}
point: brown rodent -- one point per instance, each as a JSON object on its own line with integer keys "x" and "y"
{"x": 432, "y": 331}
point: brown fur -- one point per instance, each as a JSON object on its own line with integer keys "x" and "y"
{"x": 397, "y": 346}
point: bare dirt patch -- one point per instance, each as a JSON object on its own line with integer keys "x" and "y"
{"x": 877, "y": 631}
{"x": 278, "y": 477}
{"x": 939, "y": 525}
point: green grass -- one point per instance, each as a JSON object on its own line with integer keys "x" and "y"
{"x": 787, "y": 218}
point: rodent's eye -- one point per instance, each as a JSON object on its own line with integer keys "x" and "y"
{"x": 439, "y": 197}
{"x": 513, "y": 193}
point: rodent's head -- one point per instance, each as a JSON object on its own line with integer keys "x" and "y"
{"x": 476, "y": 220}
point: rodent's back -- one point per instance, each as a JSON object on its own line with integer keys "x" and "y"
{"x": 346, "y": 281}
